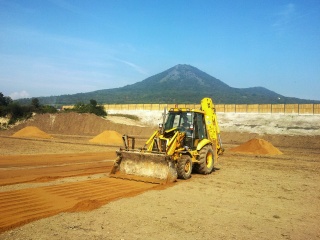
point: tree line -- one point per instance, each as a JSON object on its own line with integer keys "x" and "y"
{"x": 14, "y": 111}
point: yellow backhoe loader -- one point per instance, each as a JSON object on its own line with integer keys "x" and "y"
{"x": 187, "y": 141}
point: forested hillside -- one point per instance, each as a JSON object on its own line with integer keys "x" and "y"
{"x": 179, "y": 84}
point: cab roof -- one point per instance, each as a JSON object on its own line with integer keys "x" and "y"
{"x": 185, "y": 110}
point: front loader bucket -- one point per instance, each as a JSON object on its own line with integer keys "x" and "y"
{"x": 144, "y": 166}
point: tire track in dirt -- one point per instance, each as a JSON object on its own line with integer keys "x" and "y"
{"x": 41, "y": 168}
{"x": 23, "y": 206}
{"x": 9, "y": 177}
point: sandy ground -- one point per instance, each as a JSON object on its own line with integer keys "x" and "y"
{"x": 59, "y": 189}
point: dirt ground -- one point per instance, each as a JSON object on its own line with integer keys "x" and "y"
{"x": 60, "y": 188}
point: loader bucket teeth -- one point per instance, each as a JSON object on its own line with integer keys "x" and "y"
{"x": 144, "y": 166}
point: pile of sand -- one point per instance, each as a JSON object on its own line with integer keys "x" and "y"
{"x": 31, "y": 132}
{"x": 86, "y": 205}
{"x": 108, "y": 137}
{"x": 257, "y": 146}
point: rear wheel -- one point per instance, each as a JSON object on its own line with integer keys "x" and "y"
{"x": 184, "y": 167}
{"x": 206, "y": 157}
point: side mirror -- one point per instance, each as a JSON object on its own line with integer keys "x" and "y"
{"x": 160, "y": 125}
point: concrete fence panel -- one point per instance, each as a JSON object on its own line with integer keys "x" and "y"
{"x": 172, "y": 106}
{"x": 253, "y": 108}
{"x": 223, "y": 108}
{"x": 139, "y": 107}
{"x": 190, "y": 106}
{"x": 230, "y": 108}
{"x": 155, "y": 107}
{"x": 67, "y": 107}
{"x": 132, "y": 106}
{"x": 306, "y": 109}
{"x": 241, "y": 108}
{"x": 265, "y": 108}
{"x": 219, "y": 107}
{"x": 277, "y": 108}
{"x": 147, "y": 106}
{"x": 316, "y": 108}
{"x": 291, "y": 108}
{"x": 162, "y": 106}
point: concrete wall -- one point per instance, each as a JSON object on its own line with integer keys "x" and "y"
{"x": 225, "y": 108}
{"x": 232, "y": 108}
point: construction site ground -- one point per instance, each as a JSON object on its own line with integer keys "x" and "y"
{"x": 59, "y": 188}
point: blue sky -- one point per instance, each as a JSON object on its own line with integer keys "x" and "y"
{"x": 55, "y": 47}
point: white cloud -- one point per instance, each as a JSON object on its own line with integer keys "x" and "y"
{"x": 134, "y": 66}
{"x": 288, "y": 10}
{"x": 17, "y": 95}
{"x": 285, "y": 15}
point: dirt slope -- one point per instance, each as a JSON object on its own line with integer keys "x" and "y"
{"x": 78, "y": 124}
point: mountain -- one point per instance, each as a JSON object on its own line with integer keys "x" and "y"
{"x": 179, "y": 84}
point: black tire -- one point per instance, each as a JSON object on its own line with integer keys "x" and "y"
{"x": 184, "y": 167}
{"x": 206, "y": 158}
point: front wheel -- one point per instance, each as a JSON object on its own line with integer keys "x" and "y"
{"x": 206, "y": 157}
{"x": 184, "y": 167}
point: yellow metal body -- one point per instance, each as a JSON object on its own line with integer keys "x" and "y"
{"x": 166, "y": 147}
{"x": 211, "y": 121}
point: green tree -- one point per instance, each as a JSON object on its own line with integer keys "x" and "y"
{"x": 93, "y": 102}
{"x": 92, "y": 107}
{"x": 4, "y": 101}
{"x": 16, "y": 112}
{"x": 35, "y": 103}
{"x": 48, "y": 109}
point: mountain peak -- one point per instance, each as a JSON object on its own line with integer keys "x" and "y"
{"x": 181, "y": 72}
{"x": 182, "y": 83}
{"x": 183, "y": 66}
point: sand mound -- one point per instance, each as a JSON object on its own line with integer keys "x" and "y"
{"x": 86, "y": 205}
{"x": 31, "y": 132}
{"x": 108, "y": 137}
{"x": 257, "y": 146}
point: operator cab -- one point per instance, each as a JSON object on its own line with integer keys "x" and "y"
{"x": 190, "y": 122}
